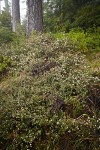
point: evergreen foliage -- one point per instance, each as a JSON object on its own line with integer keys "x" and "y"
{"x": 5, "y": 20}
{"x": 6, "y": 34}
{"x": 61, "y": 15}
{"x": 45, "y": 100}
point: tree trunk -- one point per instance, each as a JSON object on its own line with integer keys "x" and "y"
{"x": 0, "y": 6}
{"x": 6, "y": 5}
{"x": 15, "y": 15}
{"x": 34, "y": 16}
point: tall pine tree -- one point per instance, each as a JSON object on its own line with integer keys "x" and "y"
{"x": 15, "y": 15}
{"x": 34, "y": 16}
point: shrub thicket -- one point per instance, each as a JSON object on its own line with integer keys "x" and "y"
{"x": 45, "y": 102}
{"x": 6, "y": 35}
{"x": 87, "y": 42}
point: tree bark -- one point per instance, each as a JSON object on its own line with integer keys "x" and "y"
{"x": 0, "y": 6}
{"x": 6, "y": 5}
{"x": 15, "y": 15}
{"x": 34, "y": 16}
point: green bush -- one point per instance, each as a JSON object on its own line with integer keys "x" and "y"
{"x": 4, "y": 61}
{"x": 5, "y": 20}
{"x": 6, "y": 35}
{"x": 47, "y": 72}
{"x": 87, "y": 17}
{"x": 86, "y": 42}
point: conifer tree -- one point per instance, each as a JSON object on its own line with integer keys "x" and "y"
{"x": 15, "y": 15}
{"x": 34, "y": 16}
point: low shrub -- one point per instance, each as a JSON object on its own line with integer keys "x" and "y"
{"x": 5, "y": 63}
{"x": 86, "y": 42}
{"x": 44, "y": 100}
